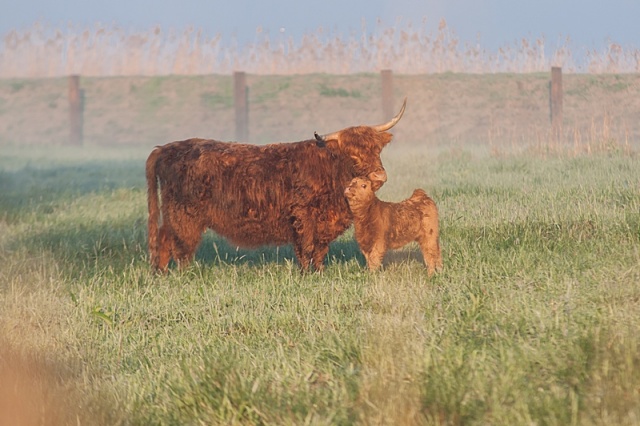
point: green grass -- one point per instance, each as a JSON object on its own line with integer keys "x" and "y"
{"x": 338, "y": 92}
{"x": 533, "y": 321}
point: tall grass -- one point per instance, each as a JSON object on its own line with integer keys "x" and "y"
{"x": 42, "y": 51}
{"x": 533, "y": 321}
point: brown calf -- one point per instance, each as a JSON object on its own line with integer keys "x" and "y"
{"x": 381, "y": 226}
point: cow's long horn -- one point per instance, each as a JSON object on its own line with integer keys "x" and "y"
{"x": 386, "y": 126}
{"x": 322, "y": 139}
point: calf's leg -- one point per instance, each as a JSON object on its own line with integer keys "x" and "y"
{"x": 429, "y": 240}
{"x": 375, "y": 255}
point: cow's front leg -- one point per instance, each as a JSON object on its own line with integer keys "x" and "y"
{"x": 304, "y": 253}
{"x": 303, "y": 247}
{"x": 319, "y": 254}
{"x": 303, "y": 242}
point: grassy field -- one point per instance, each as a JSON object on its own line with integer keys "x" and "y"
{"x": 535, "y": 319}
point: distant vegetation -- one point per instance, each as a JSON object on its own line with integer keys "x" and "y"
{"x": 102, "y": 50}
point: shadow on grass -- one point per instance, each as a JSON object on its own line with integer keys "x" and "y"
{"x": 115, "y": 243}
{"x": 119, "y": 243}
{"x": 216, "y": 250}
{"x": 37, "y": 189}
{"x": 41, "y": 189}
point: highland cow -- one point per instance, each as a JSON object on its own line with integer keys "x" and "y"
{"x": 381, "y": 226}
{"x": 277, "y": 194}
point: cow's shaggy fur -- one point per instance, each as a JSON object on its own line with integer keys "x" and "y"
{"x": 381, "y": 226}
{"x": 258, "y": 195}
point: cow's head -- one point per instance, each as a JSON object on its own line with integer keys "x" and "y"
{"x": 363, "y": 145}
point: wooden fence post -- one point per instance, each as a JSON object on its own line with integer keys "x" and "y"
{"x": 387, "y": 94}
{"x": 555, "y": 101}
{"x": 241, "y": 99}
{"x": 76, "y": 106}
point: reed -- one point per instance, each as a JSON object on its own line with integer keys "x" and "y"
{"x": 103, "y": 50}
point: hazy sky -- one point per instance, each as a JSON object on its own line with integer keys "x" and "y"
{"x": 589, "y": 23}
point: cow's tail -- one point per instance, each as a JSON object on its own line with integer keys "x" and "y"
{"x": 153, "y": 204}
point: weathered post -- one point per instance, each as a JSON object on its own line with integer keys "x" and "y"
{"x": 241, "y": 99}
{"x": 76, "y": 104}
{"x": 387, "y": 94}
{"x": 555, "y": 100}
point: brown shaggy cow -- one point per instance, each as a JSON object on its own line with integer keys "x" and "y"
{"x": 380, "y": 225}
{"x": 259, "y": 195}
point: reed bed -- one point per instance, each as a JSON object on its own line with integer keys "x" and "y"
{"x": 110, "y": 50}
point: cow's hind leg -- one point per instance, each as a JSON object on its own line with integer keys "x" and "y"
{"x": 186, "y": 241}
{"x": 180, "y": 236}
{"x": 165, "y": 248}
{"x": 177, "y": 245}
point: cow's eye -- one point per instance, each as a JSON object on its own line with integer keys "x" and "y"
{"x": 364, "y": 185}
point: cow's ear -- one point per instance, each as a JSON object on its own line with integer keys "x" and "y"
{"x": 330, "y": 141}
{"x": 332, "y": 144}
{"x": 376, "y": 184}
{"x": 384, "y": 138}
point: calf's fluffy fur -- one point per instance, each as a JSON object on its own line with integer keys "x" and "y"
{"x": 381, "y": 225}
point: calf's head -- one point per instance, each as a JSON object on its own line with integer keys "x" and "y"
{"x": 360, "y": 190}
{"x": 363, "y": 145}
